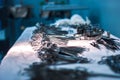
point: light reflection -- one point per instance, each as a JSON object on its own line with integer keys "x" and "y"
{"x": 21, "y": 47}
{"x": 79, "y": 42}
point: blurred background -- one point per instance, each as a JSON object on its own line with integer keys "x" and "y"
{"x": 16, "y": 15}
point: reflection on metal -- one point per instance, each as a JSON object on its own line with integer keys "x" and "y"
{"x": 89, "y": 32}
{"x": 84, "y": 31}
{"x": 112, "y": 61}
{"x": 19, "y": 11}
{"x": 51, "y": 52}
{"x": 62, "y": 7}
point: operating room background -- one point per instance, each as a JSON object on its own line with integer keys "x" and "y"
{"x": 106, "y": 12}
